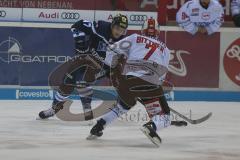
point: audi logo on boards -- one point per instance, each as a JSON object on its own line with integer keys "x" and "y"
{"x": 70, "y": 15}
{"x": 138, "y": 18}
{"x": 3, "y": 13}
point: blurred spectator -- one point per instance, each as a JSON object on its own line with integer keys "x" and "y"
{"x": 235, "y": 8}
{"x": 118, "y": 5}
{"x": 203, "y": 16}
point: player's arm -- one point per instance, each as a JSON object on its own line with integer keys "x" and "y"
{"x": 216, "y": 24}
{"x": 166, "y": 55}
{"x": 119, "y": 49}
{"x": 82, "y": 32}
{"x": 183, "y": 19}
{"x": 235, "y": 9}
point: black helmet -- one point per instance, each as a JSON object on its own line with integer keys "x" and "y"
{"x": 120, "y": 20}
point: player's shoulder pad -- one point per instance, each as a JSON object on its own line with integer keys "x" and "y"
{"x": 102, "y": 24}
{"x": 103, "y": 28}
{"x": 136, "y": 34}
{"x": 82, "y": 24}
{"x": 78, "y": 24}
{"x": 133, "y": 35}
{"x": 189, "y": 3}
{"x": 217, "y": 6}
{"x": 217, "y": 3}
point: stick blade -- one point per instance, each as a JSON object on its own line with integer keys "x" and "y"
{"x": 192, "y": 121}
{"x": 200, "y": 120}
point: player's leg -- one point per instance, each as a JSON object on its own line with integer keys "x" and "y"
{"x": 159, "y": 113}
{"x": 86, "y": 94}
{"x": 119, "y": 109}
{"x": 156, "y": 103}
{"x": 59, "y": 99}
{"x": 63, "y": 92}
{"x": 85, "y": 76}
{"x": 76, "y": 72}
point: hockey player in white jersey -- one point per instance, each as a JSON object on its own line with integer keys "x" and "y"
{"x": 145, "y": 59}
{"x": 203, "y": 16}
{"x": 235, "y": 8}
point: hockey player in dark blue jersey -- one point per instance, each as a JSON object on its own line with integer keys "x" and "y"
{"x": 90, "y": 38}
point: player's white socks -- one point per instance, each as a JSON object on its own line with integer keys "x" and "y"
{"x": 161, "y": 121}
{"x": 86, "y": 97}
{"x": 60, "y": 98}
{"x": 86, "y": 91}
{"x": 115, "y": 112}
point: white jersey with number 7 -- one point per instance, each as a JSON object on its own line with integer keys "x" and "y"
{"x": 140, "y": 48}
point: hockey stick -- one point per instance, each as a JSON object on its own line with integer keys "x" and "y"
{"x": 192, "y": 121}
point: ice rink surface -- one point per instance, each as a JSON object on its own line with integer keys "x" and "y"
{"x": 22, "y": 137}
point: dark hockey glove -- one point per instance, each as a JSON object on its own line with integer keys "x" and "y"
{"x": 119, "y": 61}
